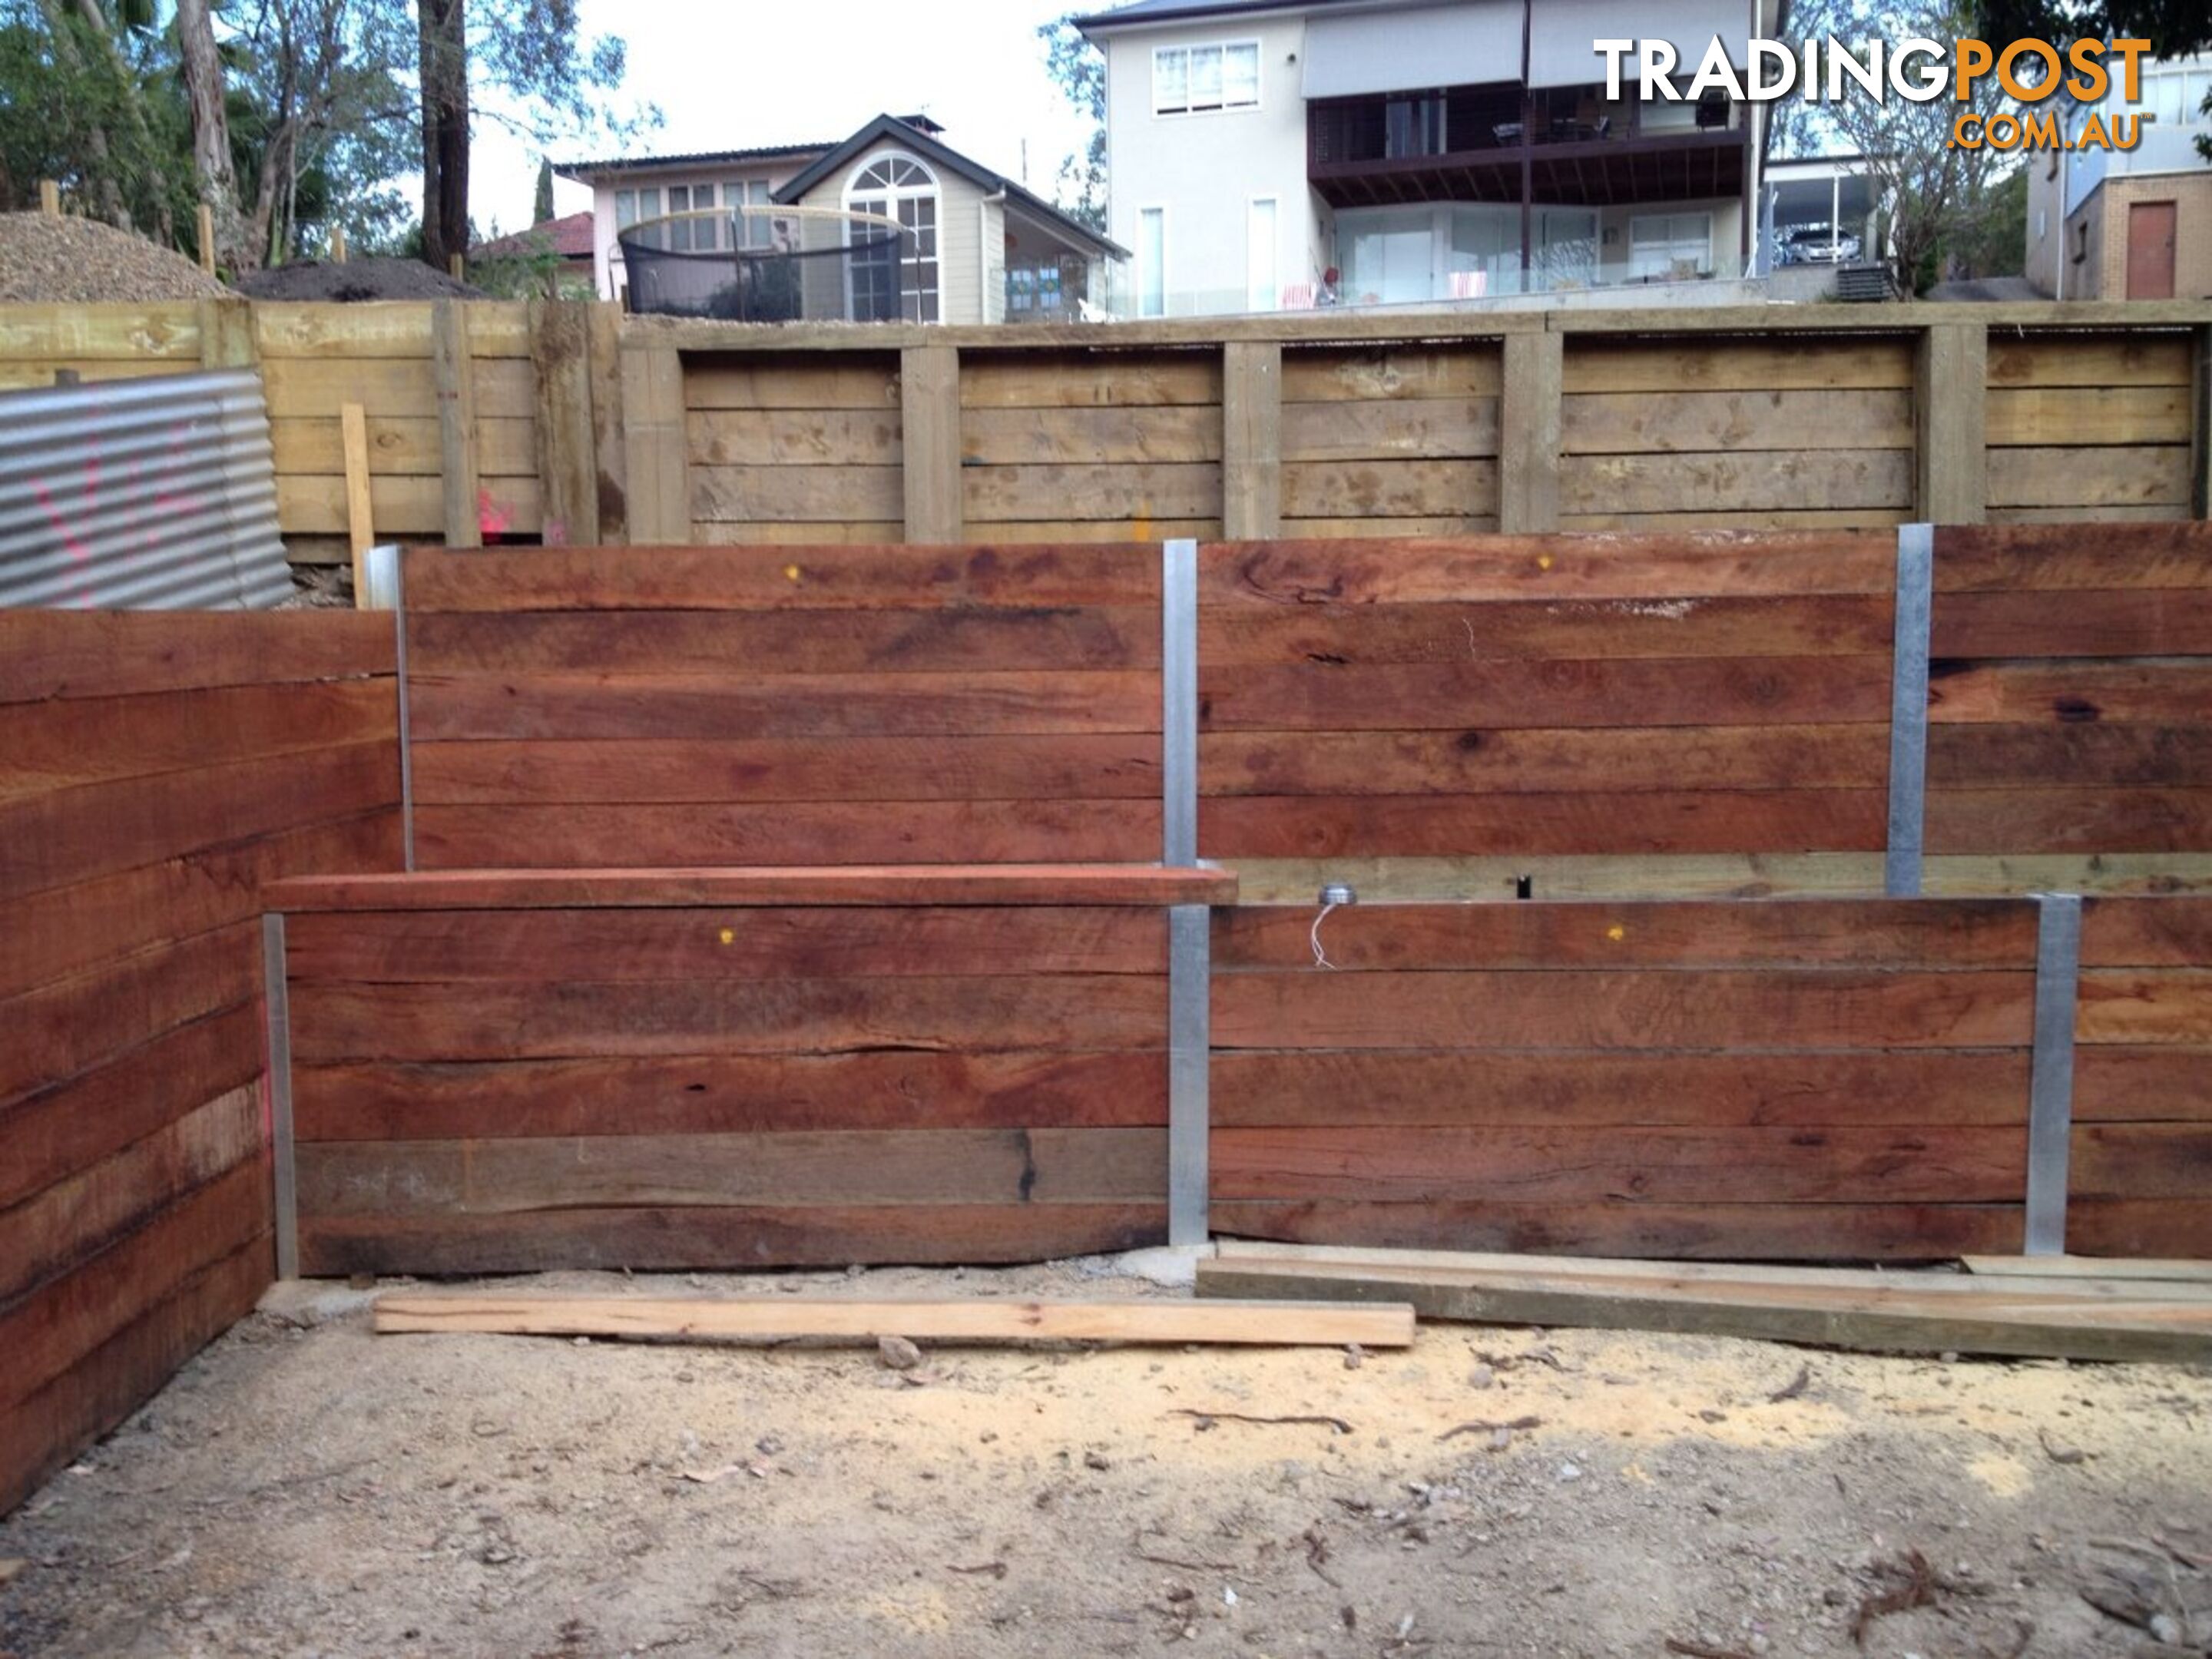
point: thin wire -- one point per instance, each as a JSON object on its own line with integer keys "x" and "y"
{"x": 1321, "y": 956}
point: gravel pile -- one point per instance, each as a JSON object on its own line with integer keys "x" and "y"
{"x": 356, "y": 279}
{"x": 85, "y": 262}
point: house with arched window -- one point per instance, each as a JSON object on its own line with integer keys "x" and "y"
{"x": 973, "y": 245}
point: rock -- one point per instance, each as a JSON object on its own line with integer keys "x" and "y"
{"x": 1482, "y": 1377}
{"x": 768, "y": 1444}
{"x": 12, "y": 1568}
{"x": 1354, "y": 1356}
{"x": 896, "y": 1353}
{"x": 1570, "y": 1471}
{"x": 1096, "y": 1460}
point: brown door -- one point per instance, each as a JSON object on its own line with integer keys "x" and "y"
{"x": 2150, "y": 250}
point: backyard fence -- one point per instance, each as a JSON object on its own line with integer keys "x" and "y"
{"x": 564, "y": 421}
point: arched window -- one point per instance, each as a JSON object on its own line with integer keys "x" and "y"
{"x": 890, "y": 283}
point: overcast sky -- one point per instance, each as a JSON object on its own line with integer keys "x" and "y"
{"x": 743, "y": 73}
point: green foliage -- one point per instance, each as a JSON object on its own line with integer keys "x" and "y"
{"x": 1078, "y": 69}
{"x": 2175, "y": 28}
{"x": 1990, "y": 238}
{"x": 99, "y": 114}
{"x": 541, "y": 206}
{"x": 1933, "y": 195}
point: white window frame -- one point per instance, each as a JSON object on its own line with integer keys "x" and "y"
{"x": 1274, "y": 298}
{"x": 1159, "y": 208}
{"x": 1225, "y": 107}
{"x": 892, "y": 196}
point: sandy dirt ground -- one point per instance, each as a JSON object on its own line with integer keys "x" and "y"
{"x": 305, "y": 1487}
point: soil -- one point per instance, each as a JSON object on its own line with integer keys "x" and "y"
{"x": 355, "y": 280}
{"x": 307, "y": 1488}
{"x": 85, "y": 262}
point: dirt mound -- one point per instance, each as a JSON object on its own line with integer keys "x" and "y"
{"x": 356, "y": 279}
{"x": 84, "y": 261}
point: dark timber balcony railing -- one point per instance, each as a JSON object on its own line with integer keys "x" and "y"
{"x": 1500, "y": 142}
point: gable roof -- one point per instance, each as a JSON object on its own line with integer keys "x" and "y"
{"x": 1164, "y": 11}
{"x": 930, "y": 149}
{"x": 588, "y": 171}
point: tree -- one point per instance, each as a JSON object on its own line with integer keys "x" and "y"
{"x": 1079, "y": 69}
{"x": 532, "y": 52}
{"x": 541, "y": 205}
{"x": 212, "y": 163}
{"x": 2175, "y": 28}
{"x": 94, "y": 109}
{"x": 322, "y": 118}
{"x": 1930, "y": 190}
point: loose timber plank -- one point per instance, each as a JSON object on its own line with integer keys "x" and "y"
{"x": 2082, "y": 1281}
{"x": 1873, "y": 1232}
{"x": 1885, "y": 1319}
{"x": 783, "y": 1317}
{"x": 813, "y": 884}
{"x": 2094, "y": 1268}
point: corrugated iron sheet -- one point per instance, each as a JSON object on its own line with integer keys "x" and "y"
{"x": 145, "y": 495}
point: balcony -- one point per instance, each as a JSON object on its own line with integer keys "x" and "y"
{"x": 1497, "y": 142}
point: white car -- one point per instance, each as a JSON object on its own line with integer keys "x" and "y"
{"x": 1818, "y": 245}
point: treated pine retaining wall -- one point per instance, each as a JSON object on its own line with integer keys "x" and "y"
{"x": 565, "y": 420}
{"x": 155, "y": 769}
{"x": 701, "y": 1071}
